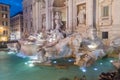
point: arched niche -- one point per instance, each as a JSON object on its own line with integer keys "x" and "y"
{"x": 60, "y": 6}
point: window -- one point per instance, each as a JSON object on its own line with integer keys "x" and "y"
{"x": 5, "y": 32}
{"x": 4, "y": 15}
{"x": 4, "y": 23}
{"x": 105, "y": 11}
{"x": 4, "y": 8}
{"x": 104, "y": 35}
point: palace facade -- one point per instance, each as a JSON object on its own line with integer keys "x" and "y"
{"x": 16, "y": 26}
{"x": 73, "y": 16}
{"x": 4, "y": 22}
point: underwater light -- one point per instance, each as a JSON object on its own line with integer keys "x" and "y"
{"x": 111, "y": 61}
{"x": 69, "y": 60}
{"x": 55, "y": 62}
{"x": 83, "y": 69}
{"x": 101, "y": 63}
{"x": 31, "y": 65}
{"x": 95, "y": 69}
{"x": 26, "y": 63}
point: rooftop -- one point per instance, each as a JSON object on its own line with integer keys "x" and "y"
{"x": 4, "y": 4}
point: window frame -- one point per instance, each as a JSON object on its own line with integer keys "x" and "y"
{"x": 105, "y": 11}
{"x": 105, "y": 35}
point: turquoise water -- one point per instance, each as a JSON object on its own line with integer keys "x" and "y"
{"x": 14, "y": 68}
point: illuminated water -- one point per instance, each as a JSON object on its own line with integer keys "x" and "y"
{"x": 14, "y": 68}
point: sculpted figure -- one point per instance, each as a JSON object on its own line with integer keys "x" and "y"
{"x": 58, "y": 20}
{"x": 81, "y": 16}
{"x": 42, "y": 4}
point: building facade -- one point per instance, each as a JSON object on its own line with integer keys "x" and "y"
{"x": 27, "y": 18}
{"x": 4, "y": 22}
{"x": 16, "y": 26}
{"x": 75, "y": 16}
{"x": 108, "y": 20}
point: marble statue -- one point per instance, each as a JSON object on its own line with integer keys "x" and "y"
{"x": 44, "y": 23}
{"x": 42, "y": 4}
{"x": 41, "y": 55}
{"x": 92, "y": 33}
{"x": 81, "y": 16}
{"x": 58, "y": 20}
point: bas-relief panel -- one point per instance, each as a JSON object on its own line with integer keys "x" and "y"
{"x": 105, "y": 21}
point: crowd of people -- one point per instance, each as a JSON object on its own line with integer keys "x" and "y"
{"x": 107, "y": 76}
{"x": 110, "y": 75}
{"x": 103, "y": 76}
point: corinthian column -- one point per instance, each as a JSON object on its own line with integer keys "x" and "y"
{"x": 91, "y": 6}
{"x": 51, "y": 14}
{"x": 34, "y": 16}
{"x": 39, "y": 17}
{"x": 91, "y": 17}
{"x": 47, "y": 14}
{"x": 70, "y": 15}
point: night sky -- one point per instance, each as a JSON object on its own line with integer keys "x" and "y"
{"x": 16, "y": 6}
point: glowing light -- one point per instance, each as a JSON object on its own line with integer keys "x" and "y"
{"x": 3, "y": 38}
{"x": 26, "y": 63}
{"x": 111, "y": 61}
{"x": 1, "y": 28}
{"x": 83, "y": 69}
{"x": 69, "y": 60}
{"x": 95, "y": 69}
{"x": 101, "y": 63}
{"x": 55, "y": 62}
{"x": 92, "y": 46}
{"x": 31, "y": 65}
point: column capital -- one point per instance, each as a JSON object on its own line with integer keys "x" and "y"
{"x": 51, "y": 2}
{"x": 37, "y": 0}
{"x": 46, "y": 1}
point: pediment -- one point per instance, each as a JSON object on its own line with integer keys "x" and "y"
{"x": 105, "y": 1}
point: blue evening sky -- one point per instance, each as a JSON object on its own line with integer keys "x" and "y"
{"x": 16, "y": 5}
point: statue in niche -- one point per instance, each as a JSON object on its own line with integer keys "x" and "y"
{"x": 56, "y": 34}
{"x": 58, "y": 20}
{"x": 82, "y": 16}
{"x": 42, "y": 4}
